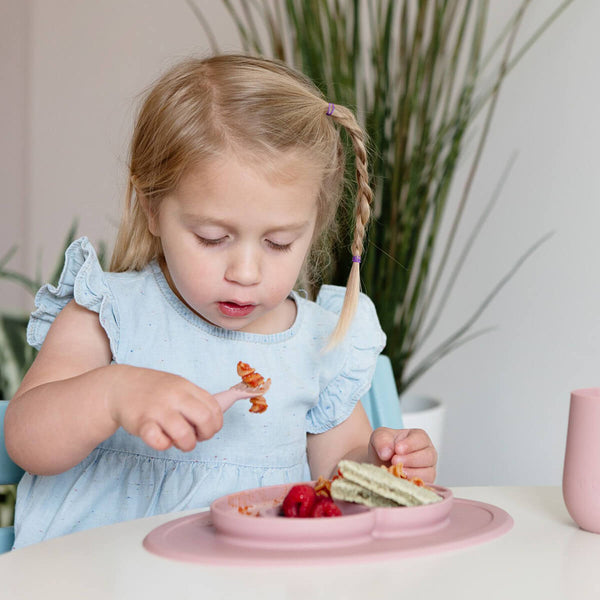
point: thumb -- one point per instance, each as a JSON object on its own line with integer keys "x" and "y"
{"x": 382, "y": 443}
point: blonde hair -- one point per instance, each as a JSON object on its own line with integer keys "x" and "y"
{"x": 203, "y": 109}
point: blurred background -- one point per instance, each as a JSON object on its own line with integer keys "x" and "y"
{"x": 71, "y": 72}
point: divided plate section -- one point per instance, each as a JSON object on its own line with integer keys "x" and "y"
{"x": 251, "y": 518}
{"x": 414, "y": 520}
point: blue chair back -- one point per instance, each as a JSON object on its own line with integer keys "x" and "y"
{"x": 381, "y": 402}
{"x": 10, "y": 473}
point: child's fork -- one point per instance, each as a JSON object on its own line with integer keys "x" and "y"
{"x": 240, "y": 391}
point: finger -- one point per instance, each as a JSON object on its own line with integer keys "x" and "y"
{"x": 180, "y": 431}
{"x": 383, "y": 446}
{"x": 427, "y": 457}
{"x": 212, "y": 406}
{"x": 153, "y": 435}
{"x": 206, "y": 417}
{"x": 427, "y": 475}
{"x": 413, "y": 440}
{"x": 383, "y": 441}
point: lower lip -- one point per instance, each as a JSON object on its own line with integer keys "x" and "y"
{"x": 235, "y": 310}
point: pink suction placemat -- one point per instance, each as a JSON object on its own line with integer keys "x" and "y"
{"x": 244, "y": 529}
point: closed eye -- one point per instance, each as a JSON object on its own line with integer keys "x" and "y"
{"x": 279, "y": 247}
{"x": 210, "y": 242}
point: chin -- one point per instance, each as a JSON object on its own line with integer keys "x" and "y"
{"x": 231, "y": 324}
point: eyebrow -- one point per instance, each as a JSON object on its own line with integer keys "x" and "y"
{"x": 198, "y": 220}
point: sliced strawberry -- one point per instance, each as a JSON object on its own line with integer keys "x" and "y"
{"x": 299, "y": 501}
{"x": 325, "y": 507}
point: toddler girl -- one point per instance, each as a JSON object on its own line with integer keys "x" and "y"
{"x": 236, "y": 171}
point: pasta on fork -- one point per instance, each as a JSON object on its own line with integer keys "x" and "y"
{"x": 256, "y": 381}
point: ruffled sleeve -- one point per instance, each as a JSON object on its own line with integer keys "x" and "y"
{"x": 81, "y": 279}
{"x": 347, "y": 370}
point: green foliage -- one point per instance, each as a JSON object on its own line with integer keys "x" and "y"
{"x": 16, "y": 355}
{"x": 418, "y": 77}
{"x": 8, "y": 498}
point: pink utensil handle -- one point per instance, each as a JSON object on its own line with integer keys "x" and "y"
{"x": 581, "y": 474}
{"x": 226, "y": 399}
{"x": 240, "y": 391}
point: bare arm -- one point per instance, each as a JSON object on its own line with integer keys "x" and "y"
{"x": 72, "y": 398}
{"x": 349, "y": 439}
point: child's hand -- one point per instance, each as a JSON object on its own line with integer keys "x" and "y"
{"x": 162, "y": 409}
{"x": 411, "y": 447}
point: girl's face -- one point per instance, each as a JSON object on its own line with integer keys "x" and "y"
{"x": 234, "y": 241}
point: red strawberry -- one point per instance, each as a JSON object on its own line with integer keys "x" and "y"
{"x": 325, "y": 507}
{"x": 299, "y": 501}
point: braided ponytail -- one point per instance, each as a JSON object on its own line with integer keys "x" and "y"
{"x": 363, "y": 201}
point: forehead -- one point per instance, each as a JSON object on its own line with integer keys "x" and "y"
{"x": 221, "y": 185}
{"x": 275, "y": 168}
{"x": 288, "y": 174}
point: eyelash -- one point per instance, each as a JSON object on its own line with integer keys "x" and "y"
{"x": 217, "y": 242}
{"x": 210, "y": 243}
{"x": 279, "y": 247}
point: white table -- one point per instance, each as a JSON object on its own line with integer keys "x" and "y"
{"x": 545, "y": 556}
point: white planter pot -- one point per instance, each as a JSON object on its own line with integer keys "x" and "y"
{"x": 424, "y": 412}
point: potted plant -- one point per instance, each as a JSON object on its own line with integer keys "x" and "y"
{"x": 425, "y": 91}
{"x": 16, "y": 355}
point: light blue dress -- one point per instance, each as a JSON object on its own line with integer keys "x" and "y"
{"x": 148, "y": 326}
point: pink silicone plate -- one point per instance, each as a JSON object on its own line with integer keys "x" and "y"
{"x": 245, "y": 529}
{"x": 251, "y": 518}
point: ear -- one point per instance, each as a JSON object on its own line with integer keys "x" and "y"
{"x": 150, "y": 212}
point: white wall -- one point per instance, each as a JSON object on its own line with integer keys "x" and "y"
{"x": 14, "y": 74}
{"x": 90, "y": 62}
{"x": 507, "y": 392}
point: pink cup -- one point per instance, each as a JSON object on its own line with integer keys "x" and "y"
{"x": 581, "y": 474}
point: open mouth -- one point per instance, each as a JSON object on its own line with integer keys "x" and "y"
{"x": 232, "y": 309}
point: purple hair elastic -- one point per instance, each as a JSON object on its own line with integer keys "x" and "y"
{"x": 331, "y": 108}
{"x": 356, "y": 258}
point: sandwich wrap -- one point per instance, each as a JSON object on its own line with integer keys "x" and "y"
{"x": 374, "y": 486}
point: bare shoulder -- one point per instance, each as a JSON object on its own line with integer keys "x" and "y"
{"x": 77, "y": 328}
{"x": 75, "y": 343}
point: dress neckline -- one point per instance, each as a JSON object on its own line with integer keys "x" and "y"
{"x": 197, "y": 321}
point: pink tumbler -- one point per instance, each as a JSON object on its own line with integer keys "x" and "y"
{"x": 581, "y": 474}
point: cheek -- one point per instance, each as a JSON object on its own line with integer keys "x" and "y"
{"x": 303, "y": 254}
{"x": 201, "y": 274}
{"x": 193, "y": 278}
{"x": 288, "y": 270}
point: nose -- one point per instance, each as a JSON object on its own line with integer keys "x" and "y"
{"x": 244, "y": 267}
